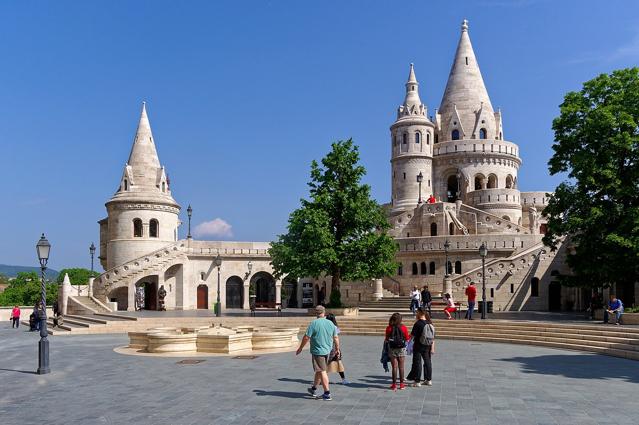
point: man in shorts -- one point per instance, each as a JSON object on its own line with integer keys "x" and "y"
{"x": 322, "y": 333}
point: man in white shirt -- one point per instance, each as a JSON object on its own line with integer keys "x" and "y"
{"x": 415, "y": 299}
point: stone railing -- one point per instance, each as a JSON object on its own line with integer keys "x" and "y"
{"x": 478, "y": 146}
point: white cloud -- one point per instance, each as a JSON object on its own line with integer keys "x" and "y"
{"x": 216, "y": 227}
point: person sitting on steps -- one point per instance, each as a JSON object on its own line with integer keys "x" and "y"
{"x": 615, "y": 306}
{"x": 450, "y": 306}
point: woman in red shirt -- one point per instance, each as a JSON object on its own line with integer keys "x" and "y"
{"x": 396, "y": 337}
{"x": 15, "y": 317}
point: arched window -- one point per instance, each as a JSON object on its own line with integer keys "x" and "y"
{"x": 153, "y": 228}
{"x": 436, "y": 138}
{"x": 510, "y": 183}
{"x": 458, "y": 267}
{"x": 418, "y": 137}
{"x": 415, "y": 269}
{"x": 422, "y": 268}
{"x": 433, "y": 229}
{"x": 482, "y": 133}
{"x": 163, "y": 187}
{"x": 400, "y": 270}
{"x": 126, "y": 184}
{"x": 479, "y": 182}
{"x": 431, "y": 267}
{"x": 492, "y": 181}
{"x": 449, "y": 268}
{"x": 137, "y": 228}
{"x": 500, "y": 136}
{"x": 453, "y": 188}
{"x": 534, "y": 287}
{"x": 455, "y": 134}
{"x": 451, "y": 229}
{"x": 404, "y": 138}
{"x": 428, "y": 138}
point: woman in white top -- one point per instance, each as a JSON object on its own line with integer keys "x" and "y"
{"x": 450, "y": 306}
{"x": 415, "y": 299}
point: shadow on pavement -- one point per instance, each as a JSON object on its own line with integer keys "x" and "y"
{"x": 584, "y": 366}
{"x": 30, "y": 372}
{"x": 285, "y": 394}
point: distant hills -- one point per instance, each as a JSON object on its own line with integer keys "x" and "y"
{"x": 12, "y": 271}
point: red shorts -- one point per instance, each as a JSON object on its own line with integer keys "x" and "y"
{"x": 450, "y": 309}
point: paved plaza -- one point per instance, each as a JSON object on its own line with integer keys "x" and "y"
{"x": 474, "y": 383}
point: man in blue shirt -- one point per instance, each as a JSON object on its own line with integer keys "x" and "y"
{"x": 322, "y": 333}
{"x": 615, "y": 306}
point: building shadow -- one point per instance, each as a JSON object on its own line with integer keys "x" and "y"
{"x": 584, "y": 366}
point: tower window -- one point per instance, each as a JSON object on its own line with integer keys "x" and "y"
{"x": 428, "y": 138}
{"x": 431, "y": 267}
{"x": 153, "y": 228}
{"x": 466, "y": 60}
{"x": 433, "y": 229}
{"x": 404, "y": 176}
{"x": 404, "y": 138}
{"x": 418, "y": 137}
{"x": 492, "y": 292}
{"x": 126, "y": 184}
{"x": 455, "y": 135}
{"x": 163, "y": 187}
{"x": 137, "y": 228}
{"x": 482, "y": 133}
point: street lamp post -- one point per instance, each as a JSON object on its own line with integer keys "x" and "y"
{"x": 43, "y": 247}
{"x": 483, "y": 251}
{"x": 92, "y": 252}
{"x": 189, "y": 212}
{"x": 218, "y": 306}
{"x": 420, "y": 179}
{"x": 446, "y": 249}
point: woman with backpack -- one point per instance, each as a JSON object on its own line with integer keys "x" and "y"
{"x": 335, "y": 363}
{"x": 423, "y": 334}
{"x": 397, "y": 336}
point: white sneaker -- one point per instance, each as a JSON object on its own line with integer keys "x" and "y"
{"x": 429, "y": 383}
{"x": 417, "y": 384}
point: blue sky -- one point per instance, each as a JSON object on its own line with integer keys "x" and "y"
{"x": 242, "y": 95}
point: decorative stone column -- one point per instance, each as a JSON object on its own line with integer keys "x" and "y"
{"x": 90, "y": 287}
{"x": 448, "y": 286}
{"x": 131, "y": 298}
{"x": 245, "y": 303}
{"x": 378, "y": 294}
{"x": 278, "y": 292}
{"x": 63, "y": 299}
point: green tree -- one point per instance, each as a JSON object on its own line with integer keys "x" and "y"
{"x": 597, "y": 145}
{"x": 77, "y": 276}
{"x": 25, "y": 289}
{"x": 340, "y": 231}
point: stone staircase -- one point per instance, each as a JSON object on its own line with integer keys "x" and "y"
{"x": 85, "y": 306}
{"x": 602, "y": 339}
{"x": 393, "y": 304}
{"x": 139, "y": 267}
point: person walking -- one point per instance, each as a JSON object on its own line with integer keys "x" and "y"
{"x": 471, "y": 294}
{"x": 335, "y": 363}
{"x": 450, "y": 306}
{"x": 423, "y": 336}
{"x": 397, "y": 336}
{"x": 322, "y": 334}
{"x": 427, "y": 299}
{"x": 15, "y": 317}
{"x": 36, "y": 315}
{"x": 415, "y": 298}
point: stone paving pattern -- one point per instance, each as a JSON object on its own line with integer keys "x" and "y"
{"x": 474, "y": 383}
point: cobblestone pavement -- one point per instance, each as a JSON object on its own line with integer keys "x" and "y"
{"x": 474, "y": 383}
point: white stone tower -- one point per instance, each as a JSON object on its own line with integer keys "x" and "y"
{"x": 412, "y": 136}
{"x": 472, "y": 161}
{"x": 142, "y": 214}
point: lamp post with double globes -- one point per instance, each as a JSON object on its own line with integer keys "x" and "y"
{"x": 43, "y": 247}
{"x": 218, "y": 306}
{"x": 483, "y": 251}
{"x": 420, "y": 179}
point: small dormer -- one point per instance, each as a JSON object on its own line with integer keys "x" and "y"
{"x": 127, "y": 179}
{"x": 484, "y": 127}
{"x": 455, "y": 125}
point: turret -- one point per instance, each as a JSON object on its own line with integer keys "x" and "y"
{"x": 142, "y": 214}
{"x": 412, "y": 136}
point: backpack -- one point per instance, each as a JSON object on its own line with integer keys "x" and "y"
{"x": 428, "y": 335}
{"x": 397, "y": 338}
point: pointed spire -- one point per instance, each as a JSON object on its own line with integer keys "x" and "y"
{"x": 465, "y": 88}
{"x": 412, "y": 103}
{"x": 411, "y": 75}
{"x": 143, "y": 151}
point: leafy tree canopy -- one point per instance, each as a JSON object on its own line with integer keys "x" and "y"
{"x": 597, "y": 145}
{"x": 340, "y": 231}
{"x": 77, "y": 276}
{"x": 25, "y": 290}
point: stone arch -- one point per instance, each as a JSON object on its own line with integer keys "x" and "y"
{"x": 492, "y": 181}
{"x": 414, "y": 269}
{"x": 154, "y": 228}
{"x": 234, "y": 292}
{"x": 452, "y": 187}
{"x": 264, "y": 285}
{"x": 137, "y": 228}
{"x": 458, "y": 267}
{"x": 149, "y": 286}
{"x": 433, "y": 229}
{"x": 510, "y": 182}
{"x": 202, "y": 297}
{"x": 480, "y": 182}
{"x": 431, "y": 267}
{"x": 422, "y": 268}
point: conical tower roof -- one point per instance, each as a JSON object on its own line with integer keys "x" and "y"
{"x": 144, "y": 178}
{"x": 412, "y": 106}
{"x": 465, "y": 90}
